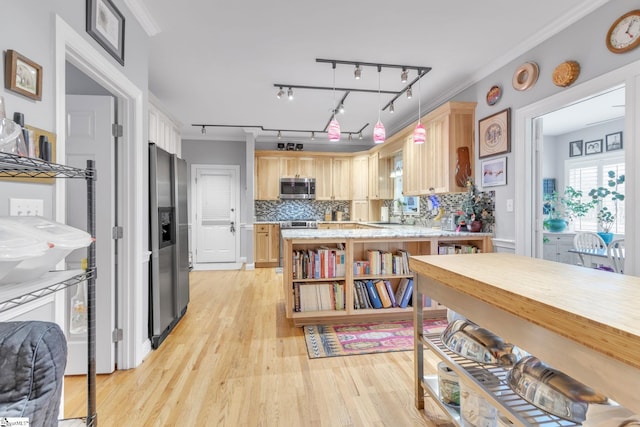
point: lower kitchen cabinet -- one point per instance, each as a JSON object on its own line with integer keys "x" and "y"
{"x": 266, "y": 238}
{"x": 556, "y": 247}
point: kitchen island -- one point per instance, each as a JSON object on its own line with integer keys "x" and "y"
{"x": 351, "y": 258}
{"x": 583, "y": 322}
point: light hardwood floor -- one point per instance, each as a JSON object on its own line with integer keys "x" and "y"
{"x": 235, "y": 360}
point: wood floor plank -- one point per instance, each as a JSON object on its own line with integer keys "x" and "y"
{"x": 235, "y": 360}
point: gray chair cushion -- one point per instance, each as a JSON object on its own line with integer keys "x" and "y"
{"x": 33, "y": 357}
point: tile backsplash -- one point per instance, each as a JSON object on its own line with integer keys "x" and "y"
{"x": 283, "y": 210}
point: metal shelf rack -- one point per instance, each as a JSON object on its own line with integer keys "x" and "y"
{"x": 509, "y": 404}
{"x": 12, "y": 166}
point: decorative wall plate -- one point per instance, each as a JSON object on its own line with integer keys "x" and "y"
{"x": 525, "y": 76}
{"x": 566, "y": 73}
{"x": 494, "y": 95}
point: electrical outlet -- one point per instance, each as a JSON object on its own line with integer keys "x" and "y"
{"x": 26, "y": 207}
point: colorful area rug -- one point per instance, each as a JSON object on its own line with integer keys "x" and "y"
{"x": 364, "y": 338}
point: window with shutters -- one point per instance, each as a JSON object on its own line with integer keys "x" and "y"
{"x": 585, "y": 174}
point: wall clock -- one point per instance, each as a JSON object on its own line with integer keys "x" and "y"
{"x": 624, "y": 33}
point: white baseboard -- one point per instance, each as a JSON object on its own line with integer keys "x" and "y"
{"x": 251, "y": 266}
{"x": 214, "y": 266}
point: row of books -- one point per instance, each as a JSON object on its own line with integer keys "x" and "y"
{"x": 318, "y": 296}
{"x": 320, "y": 263}
{"x": 383, "y": 263}
{"x": 451, "y": 248}
{"x": 380, "y": 294}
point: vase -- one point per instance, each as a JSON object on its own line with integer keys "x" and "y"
{"x": 556, "y": 225}
{"x": 476, "y": 226}
{"x": 607, "y": 237}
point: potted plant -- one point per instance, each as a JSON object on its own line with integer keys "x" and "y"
{"x": 607, "y": 218}
{"x": 477, "y": 208}
{"x": 564, "y": 208}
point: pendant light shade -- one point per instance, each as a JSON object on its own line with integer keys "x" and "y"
{"x": 334, "y": 130}
{"x": 379, "y": 133}
{"x": 419, "y": 134}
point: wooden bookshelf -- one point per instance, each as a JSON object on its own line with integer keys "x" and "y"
{"x": 357, "y": 249}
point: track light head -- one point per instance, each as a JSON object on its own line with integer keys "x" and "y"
{"x": 392, "y": 109}
{"x": 280, "y": 93}
{"x": 360, "y": 135}
{"x": 409, "y": 93}
{"x": 290, "y": 94}
{"x": 313, "y": 136}
{"x": 350, "y": 138}
{"x": 341, "y": 108}
{"x": 357, "y": 72}
{"x": 279, "y": 135}
{"x": 404, "y": 75}
{"x": 204, "y": 130}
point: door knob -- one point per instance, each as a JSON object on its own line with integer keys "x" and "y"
{"x": 233, "y": 227}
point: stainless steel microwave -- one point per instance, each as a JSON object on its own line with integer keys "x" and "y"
{"x": 297, "y": 188}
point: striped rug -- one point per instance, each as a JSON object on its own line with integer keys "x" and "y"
{"x": 364, "y": 338}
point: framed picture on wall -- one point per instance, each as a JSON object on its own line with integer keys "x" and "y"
{"x": 493, "y": 132}
{"x": 613, "y": 141}
{"x": 105, "y": 23}
{"x": 494, "y": 172}
{"x": 575, "y": 148}
{"x": 22, "y": 75}
{"x": 593, "y": 147}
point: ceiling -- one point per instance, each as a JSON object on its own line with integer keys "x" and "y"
{"x": 216, "y": 63}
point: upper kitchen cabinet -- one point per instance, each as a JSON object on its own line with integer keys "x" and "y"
{"x": 267, "y": 177}
{"x": 333, "y": 178}
{"x": 450, "y": 140}
{"x": 360, "y": 177}
{"x": 163, "y": 131}
{"x": 297, "y": 167}
{"x": 380, "y": 182}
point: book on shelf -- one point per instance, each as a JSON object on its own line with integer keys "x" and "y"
{"x": 404, "y": 261}
{"x": 452, "y": 248}
{"x": 361, "y": 268}
{"x": 320, "y": 263}
{"x": 406, "y": 296}
{"x": 392, "y": 296}
{"x": 382, "y": 293}
{"x": 318, "y": 296}
{"x": 373, "y": 294}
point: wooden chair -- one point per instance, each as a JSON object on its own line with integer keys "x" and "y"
{"x": 585, "y": 241}
{"x": 615, "y": 253}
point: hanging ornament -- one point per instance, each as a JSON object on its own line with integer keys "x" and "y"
{"x": 334, "y": 130}
{"x": 379, "y": 133}
{"x": 419, "y": 134}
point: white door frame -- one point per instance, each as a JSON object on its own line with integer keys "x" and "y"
{"x": 71, "y": 46}
{"x": 193, "y": 238}
{"x": 526, "y": 157}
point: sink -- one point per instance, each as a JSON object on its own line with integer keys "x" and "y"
{"x": 390, "y": 224}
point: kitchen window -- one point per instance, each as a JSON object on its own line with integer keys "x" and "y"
{"x": 586, "y": 174}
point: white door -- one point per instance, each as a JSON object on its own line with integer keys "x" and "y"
{"x": 215, "y": 234}
{"x": 89, "y": 136}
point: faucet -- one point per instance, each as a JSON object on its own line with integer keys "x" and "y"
{"x": 403, "y": 219}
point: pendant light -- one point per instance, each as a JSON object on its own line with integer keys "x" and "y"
{"x": 378, "y": 130}
{"x": 419, "y": 133}
{"x": 334, "y": 126}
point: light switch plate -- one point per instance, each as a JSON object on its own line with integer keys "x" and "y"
{"x": 509, "y": 205}
{"x": 26, "y": 207}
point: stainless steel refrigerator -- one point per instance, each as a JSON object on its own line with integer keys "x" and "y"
{"x": 169, "y": 244}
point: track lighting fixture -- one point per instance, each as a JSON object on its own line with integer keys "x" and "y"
{"x": 392, "y": 109}
{"x": 360, "y": 135}
{"x": 379, "y": 133}
{"x": 290, "y": 94}
{"x": 357, "y": 72}
{"x": 280, "y": 93}
{"x": 350, "y": 138}
{"x": 404, "y": 75}
{"x": 204, "y": 130}
{"x": 419, "y": 133}
{"x": 333, "y": 130}
{"x": 313, "y": 136}
{"x": 341, "y": 109}
{"x": 279, "y": 135}
{"x": 409, "y": 93}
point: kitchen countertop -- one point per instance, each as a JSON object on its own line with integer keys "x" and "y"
{"x": 381, "y": 231}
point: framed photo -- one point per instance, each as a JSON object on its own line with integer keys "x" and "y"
{"x": 494, "y": 172}
{"x": 613, "y": 141}
{"x": 22, "y": 75}
{"x": 105, "y": 23}
{"x": 493, "y": 134}
{"x": 575, "y": 148}
{"x": 593, "y": 147}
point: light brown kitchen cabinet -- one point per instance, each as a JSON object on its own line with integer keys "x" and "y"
{"x": 432, "y": 166}
{"x": 360, "y": 210}
{"x": 380, "y": 182}
{"x": 360, "y": 178}
{"x": 266, "y": 245}
{"x": 267, "y": 178}
{"x": 296, "y": 167}
{"x": 333, "y": 178}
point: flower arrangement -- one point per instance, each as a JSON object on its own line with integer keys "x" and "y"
{"x": 476, "y": 206}
{"x": 569, "y": 206}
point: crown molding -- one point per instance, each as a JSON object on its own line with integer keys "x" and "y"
{"x": 143, "y": 16}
